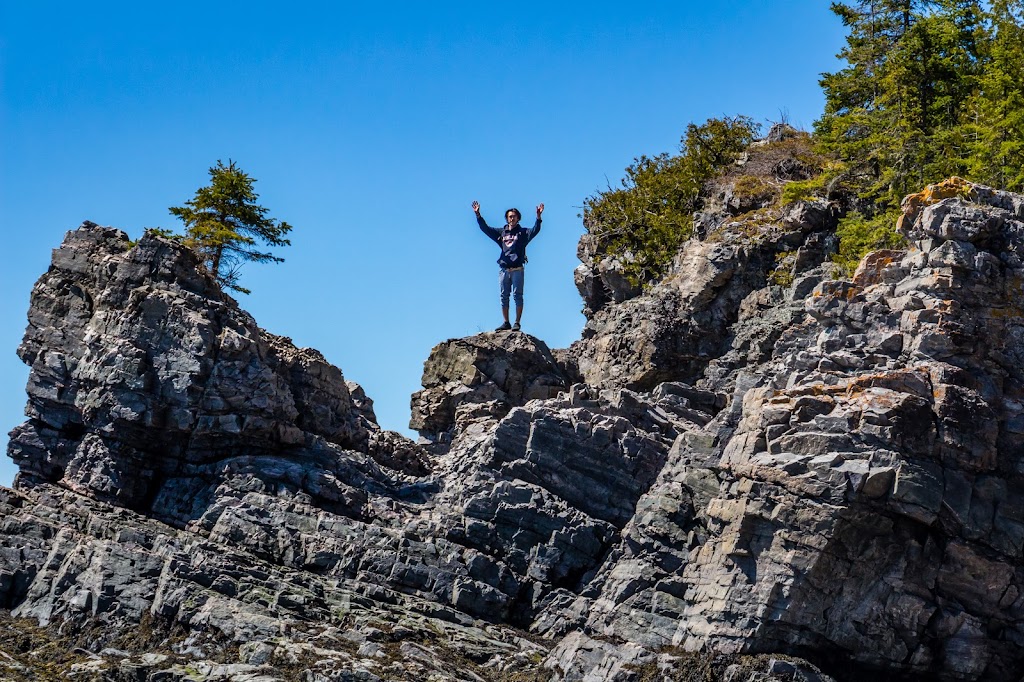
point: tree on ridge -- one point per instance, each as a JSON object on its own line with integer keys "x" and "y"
{"x": 223, "y": 223}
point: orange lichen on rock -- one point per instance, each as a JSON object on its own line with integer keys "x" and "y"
{"x": 932, "y": 194}
{"x": 870, "y": 269}
{"x": 914, "y": 380}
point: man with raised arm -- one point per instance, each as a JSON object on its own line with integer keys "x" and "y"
{"x": 512, "y": 239}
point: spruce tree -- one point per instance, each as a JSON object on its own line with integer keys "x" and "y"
{"x": 859, "y": 117}
{"x": 223, "y": 223}
{"x": 929, "y": 78}
{"x": 997, "y": 109}
{"x": 898, "y": 115}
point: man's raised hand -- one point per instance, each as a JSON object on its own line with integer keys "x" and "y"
{"x": 540, "y": 209}
{"x": 476, "y": 207}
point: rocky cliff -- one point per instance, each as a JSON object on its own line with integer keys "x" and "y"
{"x": 752, "y": 470}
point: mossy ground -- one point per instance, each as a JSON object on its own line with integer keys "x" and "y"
{"x": 688, "y": 666}
{"x": 29, "y": 653}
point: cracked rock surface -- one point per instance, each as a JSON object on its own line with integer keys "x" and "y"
{"x": 757, "y": 476}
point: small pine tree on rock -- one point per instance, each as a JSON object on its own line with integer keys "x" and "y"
{"x": 224, "y": 224}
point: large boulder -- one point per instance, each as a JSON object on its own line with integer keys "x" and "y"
{"x": 148, "y": 383}
{"x": 483, "y": 376}
{"x": 678, "y": 326}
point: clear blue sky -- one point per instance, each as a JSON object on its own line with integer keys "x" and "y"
{"x": 370, "y": 128}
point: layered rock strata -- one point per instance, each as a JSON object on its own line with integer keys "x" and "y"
{"x": 150, "y": 387}
{"x": 182, "y": 465}
{"x": 861, "y": 497}
{"x": 749, "y": 457}
{"x": 679, "y": 325}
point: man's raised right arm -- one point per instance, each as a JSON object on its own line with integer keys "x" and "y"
{"x": 493, "y": 233}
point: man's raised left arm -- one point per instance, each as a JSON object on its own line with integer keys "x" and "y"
{"x": 536, "y": 226}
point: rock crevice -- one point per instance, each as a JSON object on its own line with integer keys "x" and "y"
{"x": 750, "y": 458}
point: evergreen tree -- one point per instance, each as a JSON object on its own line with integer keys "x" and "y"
{"x": 997, "y": 109}
{"x": 857, "y": 119}
{"x": 905, "y": 111}
{"x": 897, "y": 113}
{"x": 223, "y": 223}
{"x": 645, "y": 221}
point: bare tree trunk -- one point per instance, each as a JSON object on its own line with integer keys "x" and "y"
{"x": 215, "y": 265}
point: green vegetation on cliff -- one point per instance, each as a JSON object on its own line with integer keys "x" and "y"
{"x": 223, "y": 224}
{"x": 643, "y": 222}
{"x": 929, "y": 89}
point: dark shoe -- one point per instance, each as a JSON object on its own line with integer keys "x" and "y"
{"x": 505, "y": 326}
{"x": 515, "y": 327}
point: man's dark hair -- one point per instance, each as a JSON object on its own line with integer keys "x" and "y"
{"x": 514, "y": 210}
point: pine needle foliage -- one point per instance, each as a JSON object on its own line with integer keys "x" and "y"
{"x": 859, "y": 235}
{"x": 928, "y": 89}
{"x": 931, "y": 89}
{"x": 644, "y": 222}
{"x": 225, "y": 225}
{"x": 995, "y": 125}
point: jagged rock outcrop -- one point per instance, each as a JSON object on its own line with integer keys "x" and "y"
{"x": 152, "y": 391}
{"x": 483, "y": 376}
{"x": 678, "y": 326}
{"x": 749, "y": 461}
{"x": 149, "y": 387}
{"x": 260, "y": 506}
{"x": 860, "y": 499}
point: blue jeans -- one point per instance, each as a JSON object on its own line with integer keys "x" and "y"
{"x": 511, "y": 281}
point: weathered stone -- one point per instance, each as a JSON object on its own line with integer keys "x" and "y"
{"x": 673, "y": 330}
{"x": 506, "y": 369}
{"x": 741, "y": 467}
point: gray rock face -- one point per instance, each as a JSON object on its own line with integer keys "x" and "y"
{"x": 672, "y": 331}
{"x": 212, "y": 608}
{"x": 483, "y": 376}
{"x": 601, "y": 280}
{"x": 754, "y": 460}
{"x": 860, "y": 496}
{"x": 289, "y": 503}
{"x": 149, "y": 386}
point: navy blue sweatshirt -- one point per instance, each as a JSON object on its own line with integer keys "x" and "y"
{"x": 512, "y": 242}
